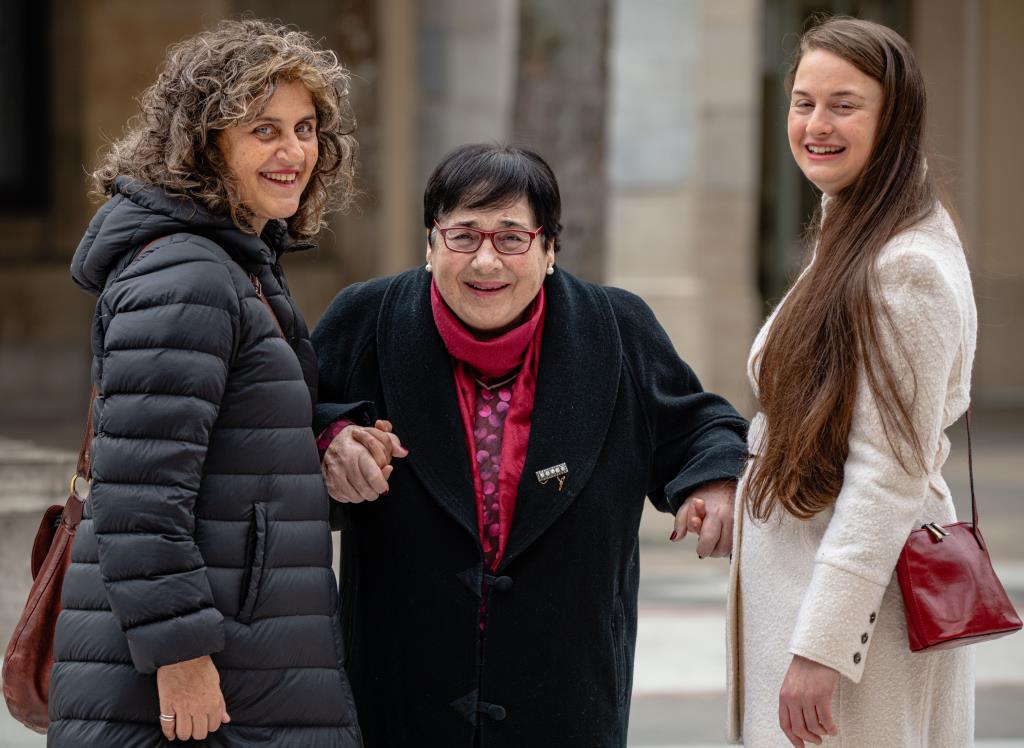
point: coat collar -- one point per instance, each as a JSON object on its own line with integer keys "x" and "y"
{"x": 138, "y": 214}
{"x": 578, "y": 378}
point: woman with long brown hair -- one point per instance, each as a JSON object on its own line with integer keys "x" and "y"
{"x": 858, "y": 371}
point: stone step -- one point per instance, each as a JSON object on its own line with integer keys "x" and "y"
{"x": 33, "y": 477}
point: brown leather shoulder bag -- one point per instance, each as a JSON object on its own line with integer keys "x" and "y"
{"x": 29, "y": 656}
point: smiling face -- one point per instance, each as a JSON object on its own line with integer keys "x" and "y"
{"x": 833, "y": 118}
{"x": 272, "y": 157}
{"x": 487, "y": 290}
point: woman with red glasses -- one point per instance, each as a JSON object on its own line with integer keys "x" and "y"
{"x": 491, "y": 595}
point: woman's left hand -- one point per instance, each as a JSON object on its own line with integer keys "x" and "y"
{"x": 805, "y": 701}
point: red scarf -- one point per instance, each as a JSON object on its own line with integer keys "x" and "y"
{"x": 491, "y": 359}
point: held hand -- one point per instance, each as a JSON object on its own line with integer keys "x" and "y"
{"x": 805, "y": 701}
{"x": 190, "y": 691}
{"x": 689, "y": 518}
{"x": 709, "y": 512}
{"x": 357, "y": 464}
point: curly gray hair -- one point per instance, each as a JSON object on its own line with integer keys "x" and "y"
{"x": 222, "y": 78}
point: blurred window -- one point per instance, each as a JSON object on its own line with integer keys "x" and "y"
{"x": 25, "y": 133}
{"x": 787, "y": 199}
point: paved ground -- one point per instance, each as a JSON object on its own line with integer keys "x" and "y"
{"x": 678, "y": 699}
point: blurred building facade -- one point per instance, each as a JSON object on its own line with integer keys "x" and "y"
{"x": 664, "y": 120}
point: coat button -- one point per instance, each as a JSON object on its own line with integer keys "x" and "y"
{"x": 856, "y": 658}
{"x": 863, "y": 638}
{"x": 503, "y": 584}
{"x": 496, "y": 712}
{"x": 871, "y": 618}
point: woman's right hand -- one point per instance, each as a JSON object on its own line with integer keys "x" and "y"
{"x": 190, "y": 691}
{"x": 357, "y": 464}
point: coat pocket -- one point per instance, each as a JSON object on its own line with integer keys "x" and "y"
{"x": 619, "y": 645}
{"x": 254, "y": 572}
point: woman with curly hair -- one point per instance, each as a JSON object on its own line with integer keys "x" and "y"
{"x": 201, "y": 583}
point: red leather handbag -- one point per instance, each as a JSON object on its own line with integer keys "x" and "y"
{"x": 29, "y": 656}
{"x": 951, "y": 594}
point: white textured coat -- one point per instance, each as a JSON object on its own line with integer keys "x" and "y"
{"x": 825, "y": 588}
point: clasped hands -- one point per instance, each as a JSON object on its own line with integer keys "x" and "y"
{"x": 708, "y": 512}
{"x": 357, "y": 464}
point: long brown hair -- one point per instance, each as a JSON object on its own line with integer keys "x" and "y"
{"x": 828, "y": 331}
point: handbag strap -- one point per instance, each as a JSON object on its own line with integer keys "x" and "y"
{"x": 73, "y": 509}
{"x": 258, "y": 287}
{"x": 75, "y": 505}
{"x": 84, "y": 468}
{"x": 970, "y": 473}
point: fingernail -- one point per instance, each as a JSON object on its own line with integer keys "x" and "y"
{"x": 674, "y": 535}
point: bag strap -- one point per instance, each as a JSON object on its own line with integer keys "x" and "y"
{"x": 82, "y": 478}
{"x": 970, "y": 472}
{"x": 83, "y": 470}
{"x": 258, "y": 287}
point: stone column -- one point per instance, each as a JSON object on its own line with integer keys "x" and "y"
{"x": 684, "y": 165}
{"x": 971, "y": 55}
{"x": 397, "y": 157}
{"x": 997, "y": 260}
{"x": 466, "y": 79}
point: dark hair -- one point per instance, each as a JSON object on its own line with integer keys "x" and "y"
{"x": 828, "y": 331}
{"x": 487, "y": 176}
{"x": 222, "y": 78}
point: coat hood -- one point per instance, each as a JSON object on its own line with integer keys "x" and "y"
{"x": 137, "y": 214}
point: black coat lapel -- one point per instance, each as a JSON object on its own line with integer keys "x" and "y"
{"x": 577, "y": 384}
{"x": 419, "y": 389}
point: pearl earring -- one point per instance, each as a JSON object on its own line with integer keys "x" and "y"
{"x": 429, "y": 268}
{"x": 551, "y": 270}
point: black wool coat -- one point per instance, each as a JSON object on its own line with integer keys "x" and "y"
{"x": 627, "y": 417}
{"x": 207, "y": 529}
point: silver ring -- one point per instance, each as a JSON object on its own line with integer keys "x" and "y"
{"x": 167, "y": 718}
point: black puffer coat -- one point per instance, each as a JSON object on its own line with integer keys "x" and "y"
{"x": 207, "y": 529}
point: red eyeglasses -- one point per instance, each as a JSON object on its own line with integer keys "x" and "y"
{"x": 506, "y": 241}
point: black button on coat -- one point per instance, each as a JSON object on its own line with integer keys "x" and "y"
{"x": 615, "y": 403}
{"x": 207, "y": 529}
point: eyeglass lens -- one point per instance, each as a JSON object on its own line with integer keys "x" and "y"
{"x": 469, "y": 240}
